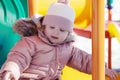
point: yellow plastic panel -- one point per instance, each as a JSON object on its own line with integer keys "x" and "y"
{"x": 114, "y": 30}
{"x": 71, "y": 74}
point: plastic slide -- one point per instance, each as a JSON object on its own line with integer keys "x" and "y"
{"x": 10, "y": 11}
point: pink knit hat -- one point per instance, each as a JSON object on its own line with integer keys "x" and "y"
{"x": 60, "y": 14}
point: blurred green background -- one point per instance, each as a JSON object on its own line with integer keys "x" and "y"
{"x": 10, "y": 11}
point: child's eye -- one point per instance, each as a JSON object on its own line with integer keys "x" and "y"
{"x": 52, "y": 27}
{"x": 62, "y": 30}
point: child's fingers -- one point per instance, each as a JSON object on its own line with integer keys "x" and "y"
{"x": 113, "y": 75}
{"x": 8, "y": 76}
{"x": 0, "y": 76}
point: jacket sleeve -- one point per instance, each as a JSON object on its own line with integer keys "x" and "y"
{"x": 80, "y": 60}
{"x": 19, "y": 57}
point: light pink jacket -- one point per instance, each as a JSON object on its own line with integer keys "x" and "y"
{"x": 35, "y": 54}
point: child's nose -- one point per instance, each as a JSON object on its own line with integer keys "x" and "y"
{"x": 56, "y": 32}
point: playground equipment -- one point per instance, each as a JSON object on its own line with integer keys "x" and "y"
{"x": 83, "y": 22}
{"x": 114, "y": 30}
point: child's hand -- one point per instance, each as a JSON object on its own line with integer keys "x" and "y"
{"x": 7, "y": 75}
{"x": 111, "y": 74}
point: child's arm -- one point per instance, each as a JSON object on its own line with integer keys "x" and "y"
{"x": 19, "y": 57}
{"x": 82, "y": 61}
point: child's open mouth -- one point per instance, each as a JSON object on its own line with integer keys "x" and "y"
{"x": 54, "y": 37}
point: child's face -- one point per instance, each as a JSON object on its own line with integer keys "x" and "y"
{"x": 55, "y": 34}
